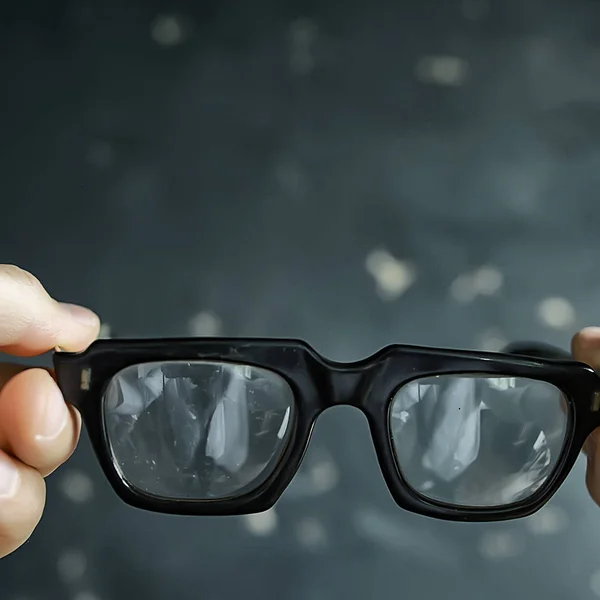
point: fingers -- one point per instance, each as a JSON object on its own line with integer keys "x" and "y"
{"x": 22, "y": 499}
{"x": 585, "y": 347}
{"x": 31, "y": 322}
{"x": 38, "y": 431}
{"x": 36, "y": 425}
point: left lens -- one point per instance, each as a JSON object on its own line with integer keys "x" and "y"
{"x": 197, "y": 430}
{"x": 477, "y": 441}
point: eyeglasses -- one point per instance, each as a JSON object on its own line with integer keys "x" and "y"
{"x": 220, "y": 426}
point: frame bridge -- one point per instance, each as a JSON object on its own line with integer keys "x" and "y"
{"x": 347, "y": 386}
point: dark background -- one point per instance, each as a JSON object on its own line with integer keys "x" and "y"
{"x": 351, "y": 173}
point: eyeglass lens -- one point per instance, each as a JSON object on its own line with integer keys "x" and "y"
{"x": 197, "y": 430}
{"x": 477, "y": 441}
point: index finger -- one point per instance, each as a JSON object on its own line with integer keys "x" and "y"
{"x": 31, "y": 322}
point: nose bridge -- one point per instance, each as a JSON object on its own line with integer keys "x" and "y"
{"x": 345, "y": 386}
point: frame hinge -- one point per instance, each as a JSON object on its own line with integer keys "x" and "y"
{"x": 86, "y": 376}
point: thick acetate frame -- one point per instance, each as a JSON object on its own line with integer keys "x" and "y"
{"x": 318, "y": 383}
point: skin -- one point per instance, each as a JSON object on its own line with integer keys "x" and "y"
{"x": 39, "y": 432}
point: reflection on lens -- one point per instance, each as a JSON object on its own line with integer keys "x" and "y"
{"x": 197, "y": 430}
{"x": 475, "y": 440}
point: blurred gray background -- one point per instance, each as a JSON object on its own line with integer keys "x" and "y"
{"x": 351, "y": 173}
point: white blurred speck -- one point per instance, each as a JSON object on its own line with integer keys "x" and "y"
{"x": 485, "y": 281}
{"x": 393, "y": 277}
{"x": 557, "y": 313}
{"x": 262, "y": 524}
{"x": 324, "y": 476}
{"x": 501, "y": 545}
{"x": 169, "y": 30}
{"x": 463, "y": 289}
{"x": 311, "y": 533}
{"x": 303, "y": 31}
{"x": 442, "y": 70}
{"x": 492, "y": 341}
{"x": 595, "y": 583}
{"x": 475, "y": 10}
{"x": 548, "y": 521}
{"x": 292, "y": 178}
{"x": 318, "y": 475}
{"x": 100, "y": 154}
{"x": 71, "y": 565}
{"x": 488, "y": 280}
{"x": 303, "y": 34}
{"x": 77, "y": 486}
{"x": 543, "y": 52}
{"x": 205, "y": 323}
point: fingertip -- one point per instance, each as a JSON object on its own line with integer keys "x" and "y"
{"x": 587, "y": 337}
{"x": 585, "y": 346}
{"x": 81, "y": 327}
{"x": 32, "y": 322}
{"x": 36, "y": 425}
{"x": 82, "y": 315}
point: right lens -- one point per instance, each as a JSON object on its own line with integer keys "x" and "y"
{"x": 477, "y": 440}
{"x": 197, "y": 430}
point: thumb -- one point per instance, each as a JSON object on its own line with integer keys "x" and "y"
{"x": 31, "y": 322}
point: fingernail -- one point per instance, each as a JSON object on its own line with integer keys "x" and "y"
{"x": 54, "y": 416}
{"x": 80, "y": 314}
{"x": 9, "y": 477}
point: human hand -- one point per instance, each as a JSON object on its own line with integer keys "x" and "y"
{"x": 38, "y": 431}
{"x": 585, "y": 347}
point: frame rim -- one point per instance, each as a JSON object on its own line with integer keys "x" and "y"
{"x": 311, "y": 376}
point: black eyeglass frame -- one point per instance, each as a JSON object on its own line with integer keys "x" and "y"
{"x": 319, "y": 383}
